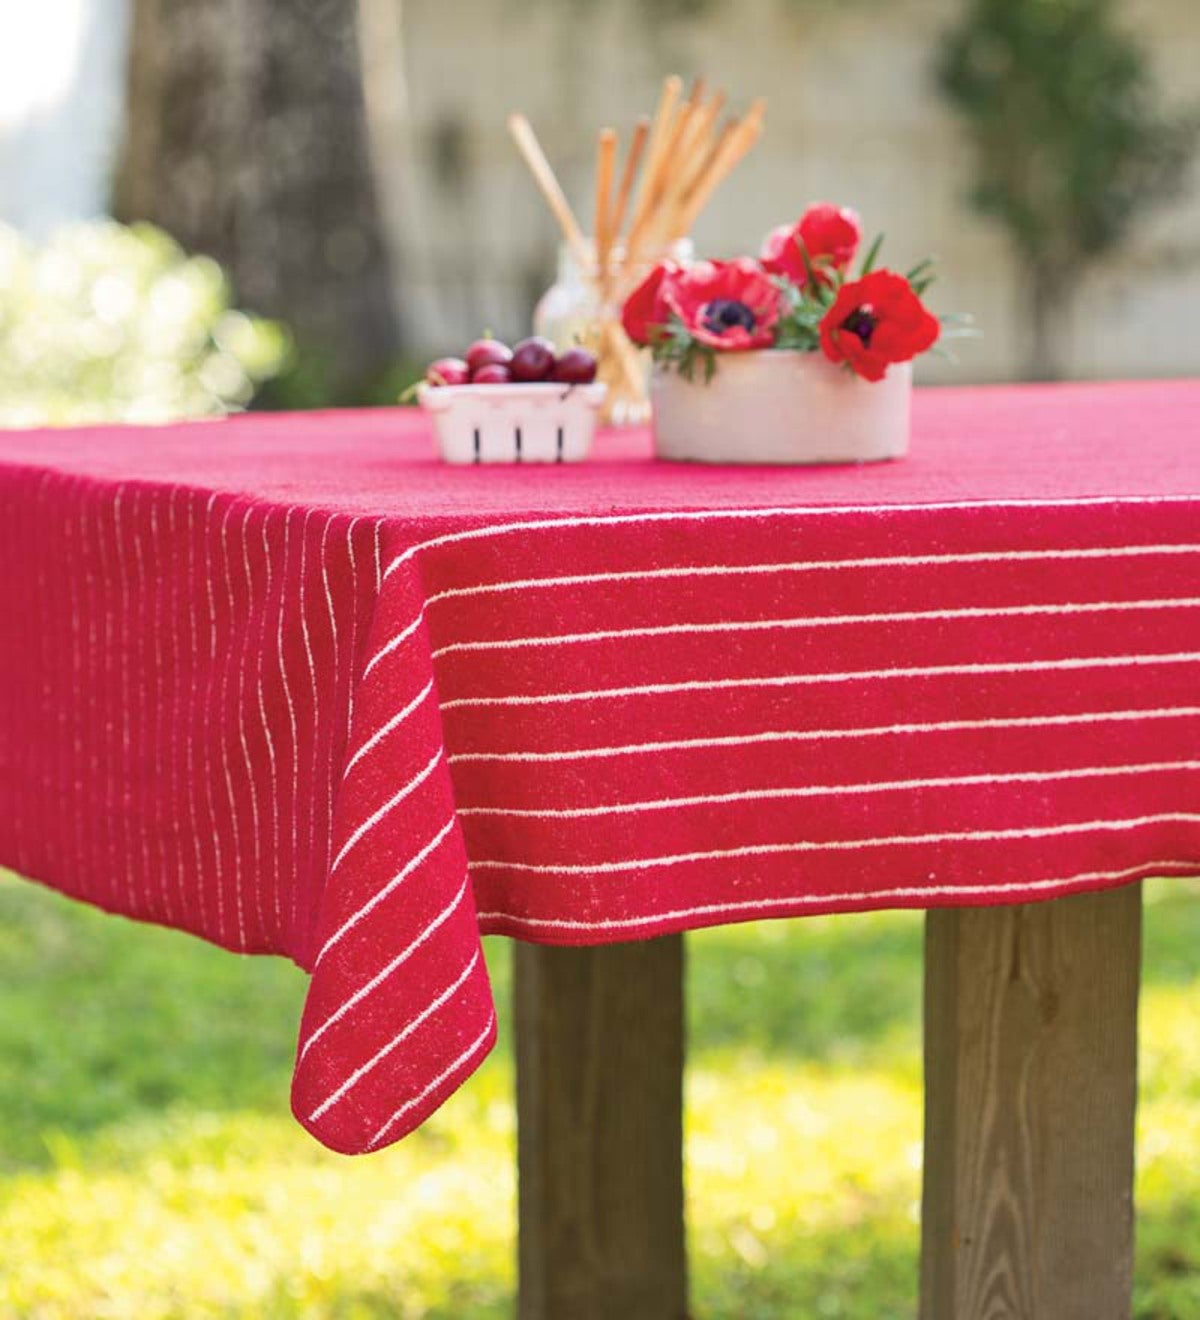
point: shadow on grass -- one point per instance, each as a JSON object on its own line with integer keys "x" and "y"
{"x": 1171, "y": 932}
{"x": 846, "y": 989}
{"x": 827, "y": 989}
{"x": 102, "y": 1019}
{"x": 1167, "y": 1270}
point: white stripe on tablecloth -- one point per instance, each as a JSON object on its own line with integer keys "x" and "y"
{"x": 110, "y": 760}
{"x": 806, "y": 735}
{"x": 380, "y": 894}
{"x": 193, "y": 783}
{"x": 387, "y": 728}
{"x": 821, "y": 621}
{"x": 123, "y": 585}
{"x": 155, "y": 704}
{"x": 232, "y": 657}
{"x": 396, "y": 641}
{"x": 312, "y": 679}
{"x": 353, "y": 626}
{"x": 176, "y": 714}
{"x": 265, "y": 722}
{"x": 99, "y": 650}
{"x": 291, "y": 709}
{"x": 787, "y": 680}
{"x": 401, "y": 1036}
{"x": 251, "y": 785}
{"x": 808, "y": 565}
{"x": 209, "y": 722}
{"x": 393, "y": 801}
{"x": 803, "y": 510}
{"x": 873, "y": 898}
{"x": 333, "y": 634}
{"x": 139, "y": 596}
{"x": 50, "y": 841}
{"x": 826, "y": 790}
{"x": 432, "y": 1086}
{"x": 402, "y": 957}
{"x": 75, "y": 528}
{"x": 90, "y": 643}
{"x": 124, "y": 764}
{"x": 833, "y": 845}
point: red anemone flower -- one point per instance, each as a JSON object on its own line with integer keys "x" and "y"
{"x": 728, "y": 305}
{"x": 645, "y": 311}
{"x": 830, "y": 235}
{"x": 876, "y": 321}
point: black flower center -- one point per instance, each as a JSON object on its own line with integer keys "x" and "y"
{"x": 725, "y": 314}
{"x": 861, "y": 322}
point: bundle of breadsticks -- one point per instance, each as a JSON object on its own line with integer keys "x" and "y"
{"x": 674, "y": 163}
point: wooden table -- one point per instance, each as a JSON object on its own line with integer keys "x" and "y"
{"x": 1031, "y": 1084}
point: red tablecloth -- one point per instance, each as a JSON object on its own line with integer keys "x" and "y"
{"x": 289, "y": 683}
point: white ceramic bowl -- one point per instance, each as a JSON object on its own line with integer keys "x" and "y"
{"x": 541, "y": 423}
{"x": 779, "y": 406}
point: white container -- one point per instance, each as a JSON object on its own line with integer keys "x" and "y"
{"x": 541, "y": 423}
{"x": 572, "y": 313}
{"x": 781, "y": 406}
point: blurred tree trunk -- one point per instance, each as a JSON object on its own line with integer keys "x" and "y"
{"x": 246, "y": 139}
{"x": 1050, "y": 296}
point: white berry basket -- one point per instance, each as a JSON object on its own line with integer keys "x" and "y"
{"x": 539, "y": 423}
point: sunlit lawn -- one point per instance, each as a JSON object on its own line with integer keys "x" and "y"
{"x": 149, "y": 1166}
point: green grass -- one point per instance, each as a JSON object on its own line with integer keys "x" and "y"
{"x": 149, "y": 1166}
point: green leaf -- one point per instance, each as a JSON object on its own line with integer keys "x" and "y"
{"x": 872, "y": 254}
{"x": 809, "y": 270}
{"x": 961, "y": 332}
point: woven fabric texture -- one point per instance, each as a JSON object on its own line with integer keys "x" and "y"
{"x": 291, "y": 684}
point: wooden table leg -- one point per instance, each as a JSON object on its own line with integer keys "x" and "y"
{"x": 600, "y": 1132}
{"x": 1031, "y": 1081}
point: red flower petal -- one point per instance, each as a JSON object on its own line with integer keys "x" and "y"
{"x": 781, "y": 254}
{"x": 830, "y": 235}
{"x": 830, "y": 231}
{"x": 899, "y": 324}
{"x": 691, "y": 293}
{"x": 645, "y": 309}
{"x": 736, "y": 339}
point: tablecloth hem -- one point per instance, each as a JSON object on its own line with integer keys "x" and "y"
{"x": 532, "y": 930}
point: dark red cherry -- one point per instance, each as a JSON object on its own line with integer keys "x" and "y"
{"x": 448, "y": 371}
{"x": 488, "y": 352}
{"x": 576, "y": 367}
{"x": 491, "y": 373}
{"x": 532, "y": 360}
